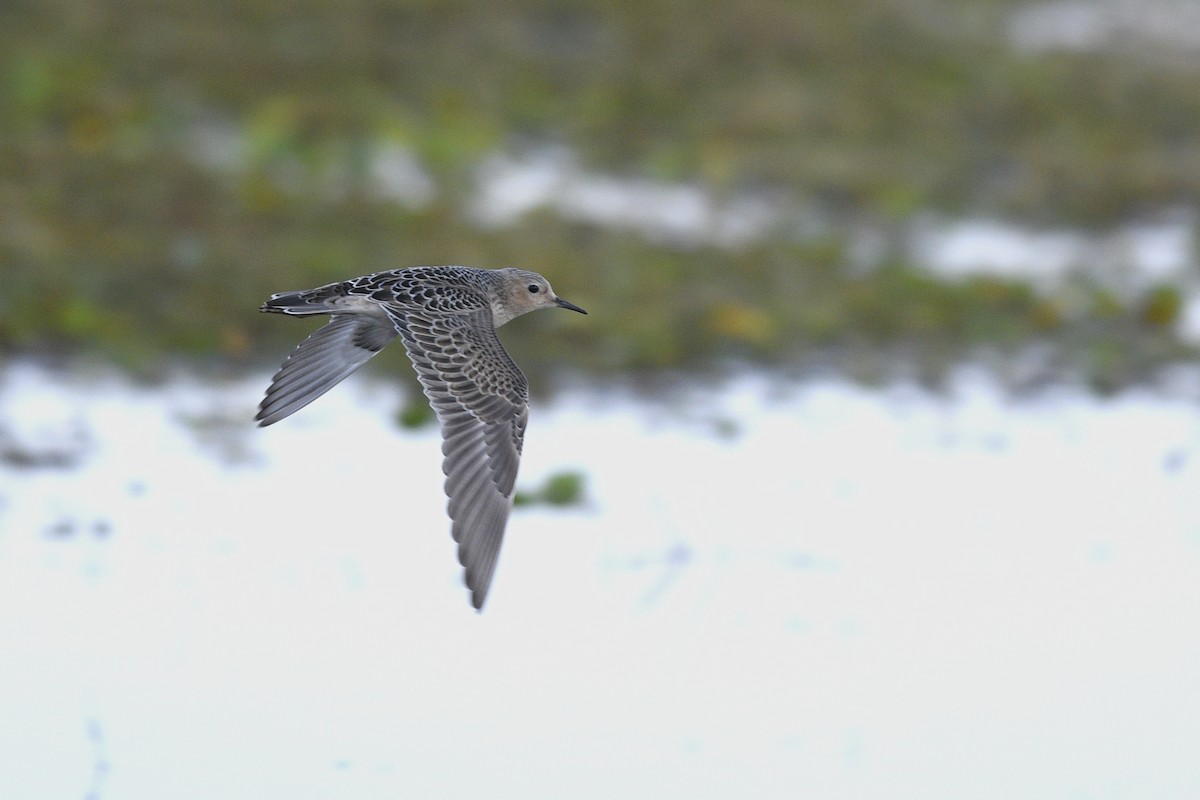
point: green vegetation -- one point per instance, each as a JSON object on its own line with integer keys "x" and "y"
{"x": 164, "y": 165}
{"x": 560, "y": 489}
{"x": 417, "y": 413}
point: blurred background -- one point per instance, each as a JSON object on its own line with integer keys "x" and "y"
{"x": 869, "y": 474}
{"x": 786, "y": 184}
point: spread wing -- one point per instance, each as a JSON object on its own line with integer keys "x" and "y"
{"x": 482, "y": 401}
{"x": 322, "y": 361}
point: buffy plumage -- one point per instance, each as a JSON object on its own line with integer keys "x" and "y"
{"x": 446, "y": 318}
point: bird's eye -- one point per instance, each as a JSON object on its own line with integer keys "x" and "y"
{"x": 534, "y": 288}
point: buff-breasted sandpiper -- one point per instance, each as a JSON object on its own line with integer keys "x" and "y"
{"x": 447, "y": 319}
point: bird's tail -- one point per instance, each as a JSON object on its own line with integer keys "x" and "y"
{"x": 300, "y": 303}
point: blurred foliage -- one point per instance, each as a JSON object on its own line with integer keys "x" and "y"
{"x": 166, "y": 164}
{"x": 560, "y": 489}
{"x": 416, "y": 413}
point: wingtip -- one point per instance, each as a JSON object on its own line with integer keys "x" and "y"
{"x": 478, "y": 598}
{"x": 263, "y": 418}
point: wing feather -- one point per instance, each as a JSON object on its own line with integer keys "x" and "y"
{"x": 481, "y": 399}
{"x": 322, "y": 361}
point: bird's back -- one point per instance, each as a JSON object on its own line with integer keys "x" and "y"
{"x": 439, "y": 290}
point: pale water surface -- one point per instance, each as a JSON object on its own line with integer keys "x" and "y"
{"x": 808, "y": 590}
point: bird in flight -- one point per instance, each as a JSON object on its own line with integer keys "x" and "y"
{"x": 446, "y": 317}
